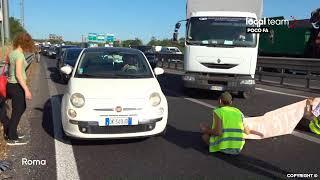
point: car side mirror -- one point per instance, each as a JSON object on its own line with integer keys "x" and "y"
{"x": 158, "y": 71}
{"x": 66, "y": 70}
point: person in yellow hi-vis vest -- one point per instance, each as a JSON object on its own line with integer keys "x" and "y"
{"x": 227, "y": 132}
{"x": 313, "y": 115}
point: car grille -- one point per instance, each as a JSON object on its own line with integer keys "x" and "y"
{"x": 219, "y": 66}
{"x": 89, "y": 129}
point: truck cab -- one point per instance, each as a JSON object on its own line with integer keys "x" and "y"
{"x": 219, "y": 53}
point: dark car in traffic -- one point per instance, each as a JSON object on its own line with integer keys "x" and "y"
{"x": 149, "y": 52}
{"x": 61, "y": 49}
{"x": 52, "y": 52}
{"x": 44, "y": 50}
{"x": 69, "y": 57}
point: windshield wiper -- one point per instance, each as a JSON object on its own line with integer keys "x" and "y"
{"x": 87, "y": 76}
{"x": 131, "y": 76}
{"x": 194, "y": 42}
{"x": 220, "y": 45}
{"x": 200, "y": 43}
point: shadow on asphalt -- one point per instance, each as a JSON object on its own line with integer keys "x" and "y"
{"x": 183, "y": 139}
{"x": 192, "y": 140}
{"x": 47, "y": 124}
{"x": 55, "y": 76}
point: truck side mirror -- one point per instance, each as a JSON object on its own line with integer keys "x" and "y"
{"x": 178, "y": 25}
{"x": 176, "y": 32}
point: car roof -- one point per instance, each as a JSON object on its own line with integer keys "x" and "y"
{"x": 103, "y": 49}
{"x": 68, "y": 46}
{"x": 74, "y": 48}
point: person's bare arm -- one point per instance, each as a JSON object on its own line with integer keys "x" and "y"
{"x": 248, "y": 131}
{"x": 217, "y": 131}
{"x": 21, "y": 81}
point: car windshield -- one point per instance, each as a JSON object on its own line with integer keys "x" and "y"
{"x": 113, "y": 64}
{"x": 220, "y": 31}
{"x": 72, "y": 56}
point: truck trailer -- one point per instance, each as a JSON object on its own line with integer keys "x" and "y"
{"x": 219, "y": 53}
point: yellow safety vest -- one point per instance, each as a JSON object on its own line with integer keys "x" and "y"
{"x": 315, "y": 126}
{"x": 232, "y": 139}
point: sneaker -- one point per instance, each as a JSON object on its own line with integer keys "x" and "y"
{"x": 16, "y": 142}
{"x": 20, "y": 136}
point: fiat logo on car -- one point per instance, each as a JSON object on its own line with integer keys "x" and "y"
{"x": 118, "y": 109}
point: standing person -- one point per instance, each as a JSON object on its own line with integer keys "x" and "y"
{"x": 17, "y": 88}
{"x": 38, "y": 54}
{"x": 227, "y": 132}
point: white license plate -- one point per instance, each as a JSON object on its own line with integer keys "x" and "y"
{"x": 116, "y": 121}
{"x": 217, "y": 88}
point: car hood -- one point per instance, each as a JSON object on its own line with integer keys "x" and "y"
{"x": 114, "y": 88}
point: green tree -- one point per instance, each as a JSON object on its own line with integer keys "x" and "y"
{"x": 55, "y": 41}
{"x": 154, "y": 42}
{"x": 135, "y": 42}
{"x": 15, "y": 27}
{"x": 168, "y": 43}
{"x": 117, "y": 44}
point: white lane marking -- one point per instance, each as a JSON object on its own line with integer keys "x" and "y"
{"x": 295, "y": 133}
{"x": 200, "y": 102}
{"x": 282, "y": 93}
{"x": 192, "y": 100}
{"x": 306, "y": 137}
{"x": 65, "y": 161}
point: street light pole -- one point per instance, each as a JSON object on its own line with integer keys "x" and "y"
{"x": 5, "y": 12}
{"x": 2, "y": 29}
{"x": 22, "y": 12}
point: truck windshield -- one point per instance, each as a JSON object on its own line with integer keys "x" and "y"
{"x": 219, "y": 31}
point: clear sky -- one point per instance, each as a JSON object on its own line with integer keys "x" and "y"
{"x": 126, "y": 19}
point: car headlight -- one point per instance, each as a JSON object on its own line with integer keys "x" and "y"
{"x": 248, "y": 82}
{"x": 155, "y": 99}
{"x": 189, "y": 78}
{"x": 72, "y": 113}
{"x": 77, "y": 100}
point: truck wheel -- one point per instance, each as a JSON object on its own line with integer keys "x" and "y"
{"x": 247, "y": 94}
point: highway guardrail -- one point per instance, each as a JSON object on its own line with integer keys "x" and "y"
{"x": 305, "y": 70}
{"x": 29, "y": 58}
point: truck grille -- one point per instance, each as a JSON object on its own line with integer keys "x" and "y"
{"x": 218, "y": 82}
{"x": 219, "y": 66}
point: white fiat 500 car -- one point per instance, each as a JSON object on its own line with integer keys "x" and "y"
{"x": 113, "y": 93}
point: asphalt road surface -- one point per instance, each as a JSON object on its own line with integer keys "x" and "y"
{"x": 179, "y": 154}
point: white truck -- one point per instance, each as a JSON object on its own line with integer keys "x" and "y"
{"x": 219, "y": 54}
